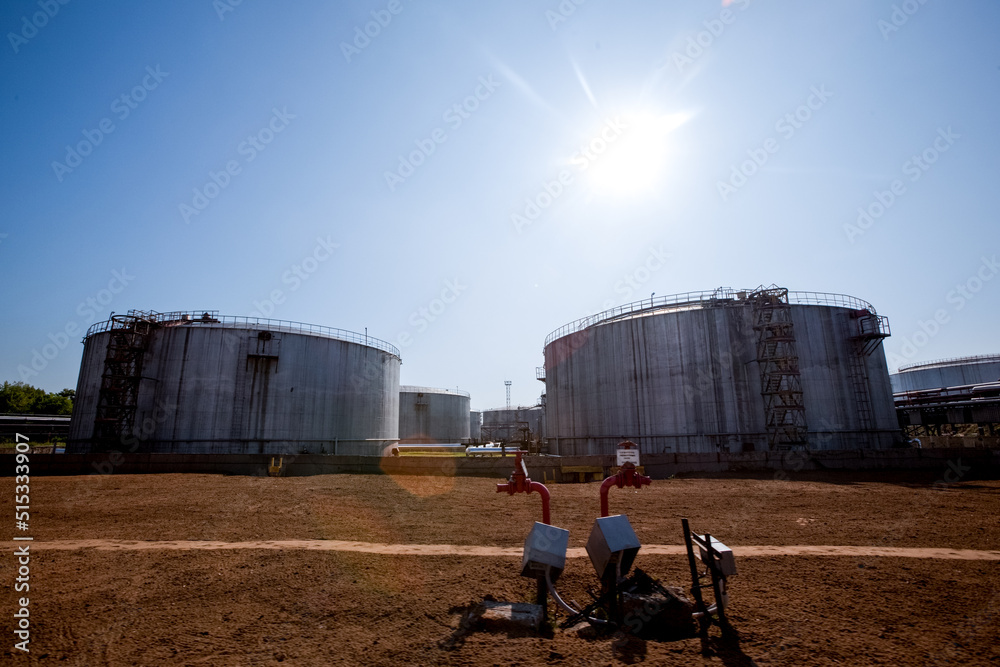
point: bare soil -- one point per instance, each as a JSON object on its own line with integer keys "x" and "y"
{"x": 136, "y": 578}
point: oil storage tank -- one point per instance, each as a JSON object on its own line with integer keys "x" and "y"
{"x": 197, "y": 382}
{"x": 958, "y": 372}
{"x": 428, "y": 415}
{"x": 475, "y": 426}
{"x": 512, "y": 424}
{"x": 726, "y": 370}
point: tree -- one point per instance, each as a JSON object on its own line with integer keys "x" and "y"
{"x": 18, "y": 398}
{"x": 53, "y": 404}
{"x": 23, "y": 399}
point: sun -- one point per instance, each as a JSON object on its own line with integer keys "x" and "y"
{"x": 635, "y": 152}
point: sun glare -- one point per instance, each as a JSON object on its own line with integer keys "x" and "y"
{"x": 629, "y": 153}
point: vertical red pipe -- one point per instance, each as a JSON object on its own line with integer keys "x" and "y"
{"x": 605, "y": 487}
{"x": 519, "y": 482}
{"x": 544, "y": 493}
{"x": 627, "y": 476}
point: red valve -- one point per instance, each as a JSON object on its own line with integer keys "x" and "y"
{"x": 626, "y": 476}
{"x": 519, "y": 482}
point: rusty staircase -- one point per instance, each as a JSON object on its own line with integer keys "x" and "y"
{"x": 117, "y": 399}
{"x": 781, "y": 382}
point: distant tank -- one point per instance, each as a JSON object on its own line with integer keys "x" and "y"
{"x": 509, "y": 424}
{"x": 961, "y": 371}
{"x": 197, "y": 382}
{"x": 428, "y": 415}
{"x": 475, "y": 425}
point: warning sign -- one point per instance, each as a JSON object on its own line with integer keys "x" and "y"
{"x": 628, "y": 452}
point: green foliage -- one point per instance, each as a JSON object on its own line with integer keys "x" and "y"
{"x": 23, "y": 399}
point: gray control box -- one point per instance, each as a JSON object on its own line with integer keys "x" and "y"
{"x": 612, "y": 542}
{"x": 544, "y": 548}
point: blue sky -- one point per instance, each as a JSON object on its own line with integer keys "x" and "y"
{"x": 467, "y": 177}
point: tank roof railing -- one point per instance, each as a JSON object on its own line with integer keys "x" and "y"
{"x": 413, "y": 389}
{"x": 830, "y": 299}
{"x": 197, "y": 317}
{"x": 513, "y": 408}
{"x": 719, "y": 296}
{"x": 175, "y": 315}
{"x": 953, "y": 361}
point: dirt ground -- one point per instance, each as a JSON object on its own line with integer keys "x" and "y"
{"x": 168, "y": 604}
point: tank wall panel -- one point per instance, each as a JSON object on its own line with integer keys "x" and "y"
{"x": 88, "y": 385}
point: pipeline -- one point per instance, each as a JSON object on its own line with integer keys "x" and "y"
{"x": 568, "y": 609}
{"x": 519, "y": 482}
{"x": 627, "y": 476}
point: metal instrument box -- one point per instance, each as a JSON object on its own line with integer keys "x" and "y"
{"x": 544, "y": 548}
{"x": 612, "y": 542}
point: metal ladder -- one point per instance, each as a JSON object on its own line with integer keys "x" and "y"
{"x": 866, "y": 331}
{"x": 117, "y": 399}
{"x": 781, "y": 384}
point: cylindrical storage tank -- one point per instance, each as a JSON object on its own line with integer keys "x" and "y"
{"x": 501, "y": 423}
{"x": 981, "y": 369}
{"x": 428, "y": 415}
{"x": 719, "y": 371}
{"x": 200, "y": 383}
{"x": 475, "y": 425}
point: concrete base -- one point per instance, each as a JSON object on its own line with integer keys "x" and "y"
{"x": 659, "y": 615}
{"x": 508, "y": 616}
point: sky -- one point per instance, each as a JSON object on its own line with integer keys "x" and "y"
{"x": 463, "y": 178}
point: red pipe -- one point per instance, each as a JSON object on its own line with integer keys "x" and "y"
{"x": 544, "y": 493}
{"x": 519, "y": 482}
{"x": 627, "y": 476}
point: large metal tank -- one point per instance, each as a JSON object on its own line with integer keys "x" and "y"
{"x": 428, "y": 415}
{"x": 509, "y": 425}
{"x": 726, "y": 370}
{"x": 475, "y": 425}
{"x": 944, "y": 373}
{"x": 195, "y": 382}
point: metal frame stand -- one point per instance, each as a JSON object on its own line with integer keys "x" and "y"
{"x": 705, "y": 618}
